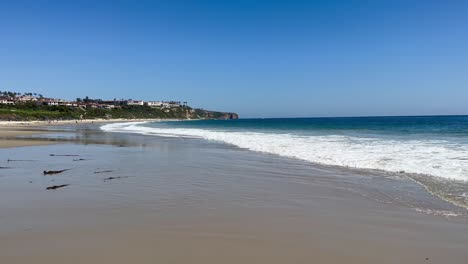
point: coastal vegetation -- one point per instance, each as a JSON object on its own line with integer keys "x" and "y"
{"x": 16, "y": 106}
{"x": 31, "y": 111}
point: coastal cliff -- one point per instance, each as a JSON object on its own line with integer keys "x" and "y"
{"x": 34, "y": 112}
{"x": 205, "y": 114}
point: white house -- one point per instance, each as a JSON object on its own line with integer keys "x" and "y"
{"x": 64, "y": 102}
{"x": 27, "y": 98}
{"x": 135, "y": 102}
{"x": 154, "y": 103}
{"x": 6, "y": 101}
{"x": 168, "y": 104}
{"x": 50, "y": 101}
{"x": 106, "y": 106}
{"x": 174, "y": 104}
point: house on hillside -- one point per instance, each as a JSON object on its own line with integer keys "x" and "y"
{"x": 106, "y": 106}
{"x": 49, "y": 101}
{"x": 173, "y": 104}
{"x": 168, "y": 104}
{"x": 6, "y": 101}
{"x": 68, "y": 103}
{"x": 135, "y": 102}
{"x": 155, "y": 103}
{"x": 26, "y": 98}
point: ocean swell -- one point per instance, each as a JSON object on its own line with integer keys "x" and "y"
{"x": 430, "y": 157}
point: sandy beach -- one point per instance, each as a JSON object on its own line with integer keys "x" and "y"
{"x": 233, "y": 132}
{"x": 33, "y": 123}
{"x": 143, "y": 199}
{"x": 10, "y": 136}
{"x": 13, "y": 133}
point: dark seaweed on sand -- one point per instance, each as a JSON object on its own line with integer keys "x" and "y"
{"x": 54, "y": 172}
{"x": 104, "y": 171}
{"x": 54, "y": 187}
{"x": 114, "y": 178}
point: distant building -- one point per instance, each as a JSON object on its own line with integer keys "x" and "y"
{"x": 173, "y": 104}
{"x": 26, "y": 98}
{"x": 111, "y": 102}
{"x": 91, "y": 105}
{"x": 6, "y": 101}
{"x": 64, "y": 102}
{"x": 52, "y": 103}
{"x": 135, "y": 102}
{"x": 11, "y": 98}
{"x": 106, "y": 106}
{"x": 166, "y": 104}
{"x": 154, "y": 103}
{"x": 49, "y": 101}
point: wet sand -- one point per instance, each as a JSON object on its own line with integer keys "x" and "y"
{"x": 21, "y": 133}
{"x": 40, "y": 123}
{"x": 191, "y": 201}
{"x": 10, "y": 136}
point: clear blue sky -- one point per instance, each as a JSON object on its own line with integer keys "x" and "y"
{"x": 257, "y": 58}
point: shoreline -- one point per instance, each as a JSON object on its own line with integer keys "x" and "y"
{"x": 450, "y": 190}
{"x": 16, "y": 136}
{"x": 164, "y": 195}
{"x": 13, "y": 134}
{"x": 21, "y": 133}
{"x": 72, "y": 122}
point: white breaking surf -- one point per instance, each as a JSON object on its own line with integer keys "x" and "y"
{"x": 431, "y": 157}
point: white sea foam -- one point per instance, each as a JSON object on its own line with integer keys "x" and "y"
{"x": 432, "y": 157}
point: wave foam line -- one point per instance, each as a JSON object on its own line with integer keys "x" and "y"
{"x": 431, "y": 157}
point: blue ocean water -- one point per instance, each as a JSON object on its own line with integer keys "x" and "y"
{"x": 425, "y": 126}
{"x": 435, "y": 146}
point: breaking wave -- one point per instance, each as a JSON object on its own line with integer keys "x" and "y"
{"x": 439, "y": 158}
